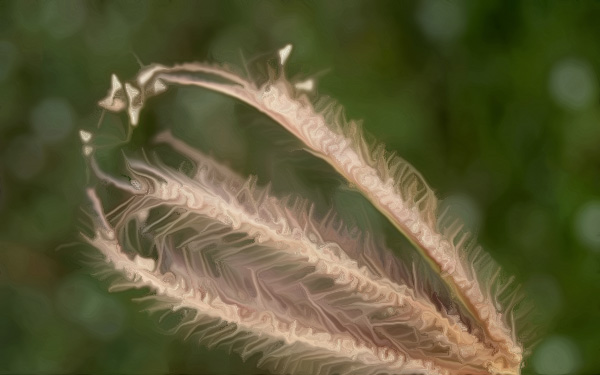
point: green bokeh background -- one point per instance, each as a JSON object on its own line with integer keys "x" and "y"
{"x": 495, "y": 102}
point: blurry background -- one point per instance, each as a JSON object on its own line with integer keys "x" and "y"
{"x": 495, "y": 102}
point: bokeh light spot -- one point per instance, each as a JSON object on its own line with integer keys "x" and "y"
{"x": 52, "y": 119}
{"x": 8, "y": 58}
{"x": 573, "y": 84}
{"x": 556, "y": 356}
{"x": 83, "y": 304}
{"x": 441, "y": 20}
{"x": 62, "y": 18}
{"x": 587, "y": 225}
{"x": 465, "y": 208}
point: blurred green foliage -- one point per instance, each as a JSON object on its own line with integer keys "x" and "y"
{"x": 495, "y": 102}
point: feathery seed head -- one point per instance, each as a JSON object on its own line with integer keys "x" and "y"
{"x": 305, "y": 290}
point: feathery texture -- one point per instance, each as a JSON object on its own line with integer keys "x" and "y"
{"x": 226, "y": 249}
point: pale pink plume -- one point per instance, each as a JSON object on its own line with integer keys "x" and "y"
{"x": 262, "y": 274}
